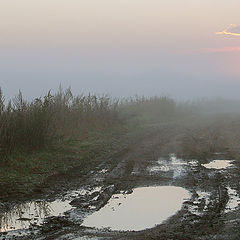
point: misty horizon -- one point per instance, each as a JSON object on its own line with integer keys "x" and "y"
{"x": 122, "y": 48}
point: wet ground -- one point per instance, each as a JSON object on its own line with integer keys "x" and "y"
{"x": 144, "y": 192}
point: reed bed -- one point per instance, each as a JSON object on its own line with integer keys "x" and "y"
{"x": 32, "y": 125}
{"x": 28, "y": 126}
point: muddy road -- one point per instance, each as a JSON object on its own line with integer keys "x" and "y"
{"x": 143, "y": 191}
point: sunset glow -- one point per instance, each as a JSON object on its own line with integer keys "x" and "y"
{"x": 233, "y": 30}
{"x": 222, "y": 50}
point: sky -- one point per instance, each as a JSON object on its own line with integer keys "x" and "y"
{"x": 180, "y": 48}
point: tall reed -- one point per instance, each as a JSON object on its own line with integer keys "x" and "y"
{"x": 28, "y": 126}
{"x": 32, "y": 125}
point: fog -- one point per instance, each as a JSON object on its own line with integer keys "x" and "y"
{"x": 120, "y": 47}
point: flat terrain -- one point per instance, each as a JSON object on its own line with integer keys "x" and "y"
{"x": 145, "y": 159}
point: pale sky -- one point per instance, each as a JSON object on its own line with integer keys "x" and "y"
{"x": 184, "y": 49}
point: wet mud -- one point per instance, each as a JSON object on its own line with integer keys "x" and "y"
{"x": 75, "y": 204}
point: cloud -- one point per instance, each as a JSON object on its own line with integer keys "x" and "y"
{"x": 222, "y": 50}
{"x": 232, "y": 29}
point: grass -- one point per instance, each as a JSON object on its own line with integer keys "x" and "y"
{"x": 26, "y": 170}
{"x": 27, "y": 126}
{"x": 60, "y": 131}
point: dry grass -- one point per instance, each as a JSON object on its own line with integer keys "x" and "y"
{"x": 32, "y": 125}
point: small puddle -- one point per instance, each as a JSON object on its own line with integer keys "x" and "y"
{"x": 84, "y": 192}
{"x": 31, "y": 213}
{"x": 144, "y": 208}
{"x": 174, "y": 164}
{"x": 234, "y": 200}
{"x": 218, "y": 164}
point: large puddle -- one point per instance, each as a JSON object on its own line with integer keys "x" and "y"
{"x": 144, "y": 208}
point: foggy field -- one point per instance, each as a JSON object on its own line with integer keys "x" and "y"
{"x": 204, "y": 126}
{"x": 61, "y": 123}
{"x": 119, "y": 120}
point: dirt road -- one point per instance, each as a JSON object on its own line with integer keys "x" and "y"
{"x": 211, "y": 211}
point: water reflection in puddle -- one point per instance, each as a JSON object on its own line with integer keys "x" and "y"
{"x": 31, "y": 213}
{"x": 22, "y": 216}
{"x": 219, "y": 164}
{"x": 144, "y": 208}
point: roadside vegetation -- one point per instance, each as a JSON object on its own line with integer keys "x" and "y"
{"x": 60, "y": 131}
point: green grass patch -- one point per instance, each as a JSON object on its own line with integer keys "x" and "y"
{"x": 24, "y": 170}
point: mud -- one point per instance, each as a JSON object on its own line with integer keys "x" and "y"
{"x": 211, "y": 212}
